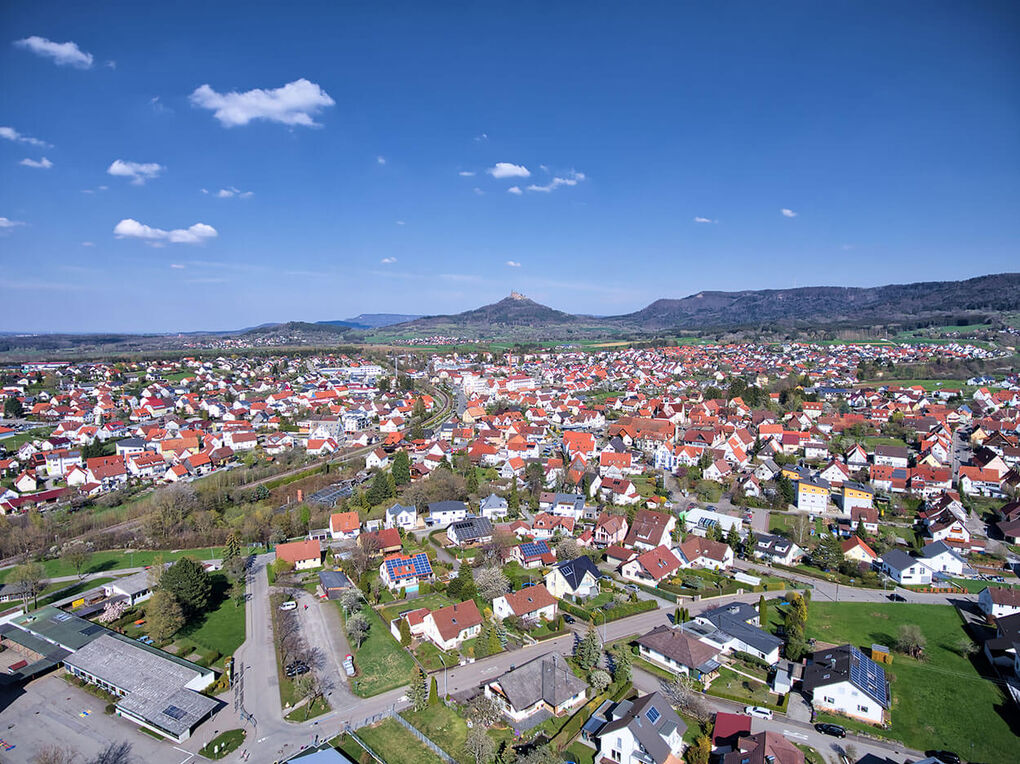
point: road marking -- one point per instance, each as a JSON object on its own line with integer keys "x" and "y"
{"x": 799, "y": 735}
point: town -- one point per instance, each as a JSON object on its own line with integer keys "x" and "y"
{"x": 754, "y": 552}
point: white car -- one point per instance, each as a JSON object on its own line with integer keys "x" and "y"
{"x": 758, "y": 711}
{"x": 349, "y": 665}
{"x": 290, "y": 605}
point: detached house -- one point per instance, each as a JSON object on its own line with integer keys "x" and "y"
{"x": 301, "y": 554}
{"x": 650, "y": 530}
{"x": 845, "y": 681}
{"x": 777, "y": 549}
{"x": 904, "y": 569}
{"x": 642, "y": 731}
{"x": 399, "y": 516}
{"x": 400, "y": 571}
{"x": 531, "y": 604}
{"x": 651, "y": 567}
{"x": 344, "y": 525}
{"x": 450, "y": 626}
{"x": 610, "y": 529}
{"x": 680, "y": 653}
{"x": 698, "y": 552}
{"x": 998, "y": 602}
{"x": 473, "y": 530}
{"x": 545, "y": 683}
{"x": 577, "y": 578}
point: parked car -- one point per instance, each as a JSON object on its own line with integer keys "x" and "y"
{"x": 567, "y": 618}
{"x": 758, "y": 711}
{"x": 831, "y": 729}
{"x": 349, "y": 664}
{"x": 946, "y": 757}
{"x": 289, "y": 605}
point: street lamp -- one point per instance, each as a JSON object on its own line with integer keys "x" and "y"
{"x": 446, "y": 684}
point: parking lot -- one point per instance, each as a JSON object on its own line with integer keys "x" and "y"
{"x": 50, "y": 711}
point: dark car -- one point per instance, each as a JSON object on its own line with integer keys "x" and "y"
{"x": 831, "y": 729}
{"x": 946, "y": 757}
{"x": 568, "y": 618}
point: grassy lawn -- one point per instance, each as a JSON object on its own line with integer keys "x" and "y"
{"x": 223, "y": 744}
{"x": 737, "y": 687}
{"x": 878, "y": 440}
{"x": 944, "y": 701}
{"x": 432, "y": 601}
{"x": 579, "y": 753}
{"x": 381, "y": 662}
{"x": 391, "y": 742}
{"x": 15, "y": 442}
{"x": 222, "y": 627}
{"x": 67, "y": 589}
{"x": 974, "y": 586}
{"x": 319, "y": 707}
{"x": 118, "y": 558}
{"x": 431, "y": 657}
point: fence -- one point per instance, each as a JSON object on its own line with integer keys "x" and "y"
{"x": 364, "y": 745}
{"x": 424, "y": 739}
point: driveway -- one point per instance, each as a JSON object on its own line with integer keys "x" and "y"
{"x": 320, "y": 627}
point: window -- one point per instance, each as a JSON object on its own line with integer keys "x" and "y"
{"x": 862, "y": 708}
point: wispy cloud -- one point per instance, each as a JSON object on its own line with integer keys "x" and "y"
{"x": 401, "y": 222}
{"x": 62, "y": 53}
{"x": 704, "y": 220}
{"x": 477, "y": 191}
{"x": 10, "y": 134}
{"x": 388, "y": 260}
{"x": 88, "y": 244}
{"x": 8, "y": 223}
{"x": 293, "y": 104}
{"x": 380, "y": 160}
{"x": 509, "y": 170}
{"x": 481, "y": 138}
{"x": 516, "y": 190}
{"x": 159, "y": 107}
{"x": 139, "y": 172}
{"x": 513, "y": 263}
{"x": 132, "y": 229}
{"x": 41, "y": 164}
{"x": 230, "y": 193}
{"x": 787, "y": 213}
{"x": 177, "y": 266}
{"x": 572, "y": 179}
{"x": 466, "y": 173}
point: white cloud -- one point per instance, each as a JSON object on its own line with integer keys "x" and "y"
{"x": 139, "y": 172}
{"x": 292, "y": 104}
{"x": 132, "y": 229}
{"x": 62, "y": 53}
{"x": 787, "y": 213}
{"x": 513, "y": 263}
{"x": 8, "y": 223}
{"x": 231, "y": 192}
{"x": 13, "y": 135}
{"x": 177, "y": 266}
{"x": 481, "y": 138}
{"x": 42, "y": 164}
{"x": 88, "y": 244}
{"x": 572, "y": 179}
{"x": 380, "y": 160}
{"x": 466, "y": 173}
{"x": 388, "y": 260}
{"x": 110, "y": 64}
{"x": 704, "y": 220}
{"x": 159, "y": 107}
{"x": 508, "y": 170}
{"x": 516, "y": 190}
{"x": 401, "y": 222}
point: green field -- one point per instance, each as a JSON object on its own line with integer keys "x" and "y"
{"x": 222, "y": 628}
{"x": 381, "y": 662}
{"x": 115, "y": 559}
{"x": 391, "y": 742}
{"x": 945, "y": 701}
{"x": 14, "y": 442}
{"x": 927, "y": 384}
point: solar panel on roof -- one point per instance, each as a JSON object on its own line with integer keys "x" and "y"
{"x": 653, "y": 714}
{"x": 174, "y": 712}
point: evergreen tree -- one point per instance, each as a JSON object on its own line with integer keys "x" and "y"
{"x": 472, "y": 480}
{"x": 405, "y": 632}
{"x": 401, "y": 469}
{"x": 466, "y": 588}
{"x": 482, "y": 641}
{"x": 434, "y": 692}
{"x": 587, "y": 651}
{"x": 232, "y": 548}
{"x": 763, "y": 612}
{"x": 621, "y": 664}
{"x": 189, "y": 582}
{"x": 418, "y": 691}
{"x": 513, "y": 501}
{"x": 750, "y": 542}
{"x": 733, "y": 539}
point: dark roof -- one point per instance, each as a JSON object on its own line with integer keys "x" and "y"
{"x": 471, "y": 528}
{"x": 333, "y": 580}
{"x": 675, "y": 644}
{"x": 547, "y": 677}
{"x": 574, "y": 570}
{"x": 650, "y": 719}
{"x": 847, "y": 663}
{"x": 734, "y": 619}
{"x": 447, "y": 506}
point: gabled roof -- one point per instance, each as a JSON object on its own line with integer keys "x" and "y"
{"x": 546, "y": 678}
{"x": 529, "y": 599}
{"x": 575, "y": 570}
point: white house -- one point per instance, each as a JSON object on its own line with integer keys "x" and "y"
{"x": 942, "y": 558}
{"x": 494, "y": 507}
{"x": 998, "y": 601}
{"x": 450, "y": 626}
{"x": 698, "y": 552}
{"x": 642, "y": 731}
{"x": 578, "y": 578}
{"x": 698, "y": 521}
{"x": 545, "y": 683}
{"x": 904, "y": 569}
{"x": 531, "y": 604}
{"x": 399, "y": 516}
{"x": 845, "y": 681}
{"x": 344, "y": 525}
{"x": 442, "y": 513}
{"x": 377, "y": 460}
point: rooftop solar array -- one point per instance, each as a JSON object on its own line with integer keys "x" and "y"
{"x": 534, "y": 548}
{"x": 652, "y": 715}
{"x": 868, "y": 675}
{"x": 403, "y": 567}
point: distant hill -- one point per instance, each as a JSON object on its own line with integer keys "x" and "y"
{"x": 828, "y": 305}
{"x": 513, "y": 311}
{"x": 376, "y": 320}
{"x": 296, "y": 328}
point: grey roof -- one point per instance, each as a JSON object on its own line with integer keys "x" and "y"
{"x": 59, "y": 628}
{"x": 492, "y": 501}
{"x": 896, "y": 559}
{"x": 734, "y": 620}
{"x": 134, "y": 584}
{"x": 577, "y": 499}
{"x": 935, "y": 548}
{"x": 773, "y": 545}
{"x": 638, "y": 717}
{"x": 685, "y": 650}
{"x": 472, "y": 528}
{"x": 334, "y": 579}
{"x": 547, "y": 678}
{"x": 575, "y": 570}
{"x": 847, "y": 664}
{"x": 154, "y": 681}
{"x": 447, "y": 506}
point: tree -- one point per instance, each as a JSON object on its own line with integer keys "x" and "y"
{"x": 112, "y": 611}
{"x": 621, "y": 665}
{"x": 567, "y": 548}
{"x": 483, "y": 711}
{"x": 55, "y": 754}
{"x": 911, "y": 640}
{"x": 405, "y": 632}
{"x": 463, "y": 586}
{"x": 686, "y": 697}
{"x": 599, "y": 680}
{"x": 164, "y": 616}
{"x": 77, "y": 556}
{"x": 433, "y": 692}
{"x": 357, "y": 628}
{"x": 418, "y": 691}
{"x": 860, "y": 532}
{"x": 189, "y": 582}
{"x": 472, "y": 480}
{"x": 232, "y": 549}
{"x": 479, "y": 745}
{"x": 750, "y": 542}
{"x": 733, "y": 538}
{"x": 13, "y": 408}
{"x": 492, "y": 582}
{"x": 763, "y": 612}
{"x": 828, "y": 554}
{"x": 351, "y": 600}
{"x": 114, "y": 753}
{"x": 401, "y": 469}
{"x": 699, "y": 751}
{"x": 28, "y": 580}
{"x": 587, "y": 651}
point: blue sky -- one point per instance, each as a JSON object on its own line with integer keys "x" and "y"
{"x": 217, "y": 165}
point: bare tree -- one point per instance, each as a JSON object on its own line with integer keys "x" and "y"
{"x": 55, "y": 754}
{"x": 492, "y": 582}
{"x": 685, "y": 695}
{"x": 479, "y": 745}
{"x": 114, "y": 753}
{"x": 77, "y": 556}
{"x": 29, "y": 579}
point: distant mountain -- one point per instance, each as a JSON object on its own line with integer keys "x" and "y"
{"x": 513, "y": 311}
{"x": 828, "y": 305}
{"x": 377, "y": 320}
{"x": 295, "y": 328}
